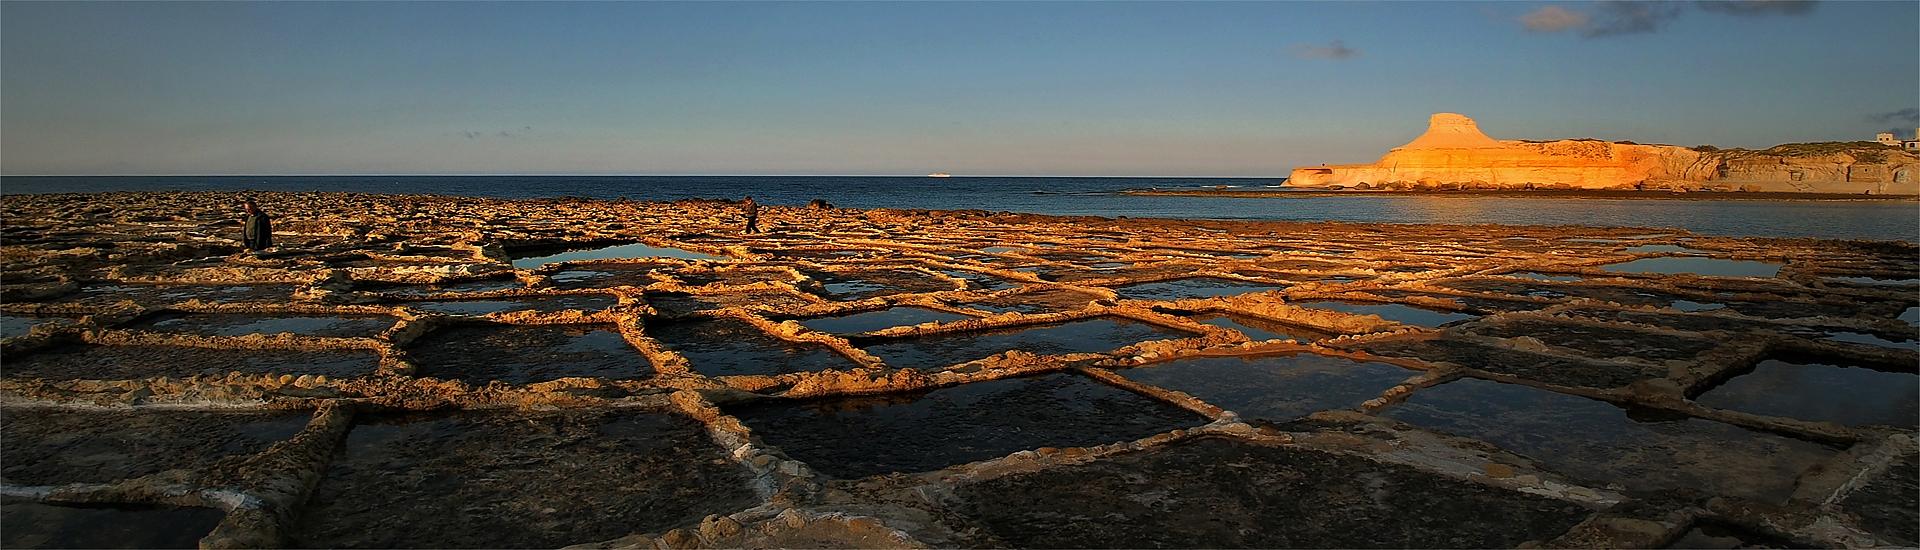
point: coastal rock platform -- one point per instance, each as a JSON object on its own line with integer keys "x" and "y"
{"x": 440, "y": 371}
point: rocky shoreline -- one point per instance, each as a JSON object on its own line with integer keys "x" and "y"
{"x": 617, "y": 374}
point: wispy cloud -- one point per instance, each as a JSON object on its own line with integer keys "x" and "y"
{"x": 507, "y": 133}
{"x": 1626, "y": 17}
{"x": 1757, "y": 7}
{"x": 1908, "y": 115}
{"x": 1553, "y": 19}
{"x": 1335, "y": 50}
{"x": 1631, "y": 17}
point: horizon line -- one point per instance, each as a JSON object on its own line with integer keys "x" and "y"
{"x": 613, "y": 176}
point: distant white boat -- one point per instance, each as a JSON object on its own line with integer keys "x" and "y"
{"x": 939, "y": 175}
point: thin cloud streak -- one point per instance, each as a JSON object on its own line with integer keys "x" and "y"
{"x": 1750, "y": 8}
{"x": 1612, "y": 18}
{"x": 1335, "y": 50}
{"x": 1623, "y": 17}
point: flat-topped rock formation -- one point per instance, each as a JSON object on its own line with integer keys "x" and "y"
{"x": 620, "y": 374}
{"x": 1454, "y": 153}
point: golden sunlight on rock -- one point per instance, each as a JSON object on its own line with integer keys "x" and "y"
{"x": 1455, "y": 154}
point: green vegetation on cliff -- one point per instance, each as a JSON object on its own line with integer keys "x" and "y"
{"x": 1862, "y": 151}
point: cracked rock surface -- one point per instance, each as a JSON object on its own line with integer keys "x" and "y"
{"x": 429, "y": 371}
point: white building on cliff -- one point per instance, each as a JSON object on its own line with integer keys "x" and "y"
{"x": 1887, "y": 138}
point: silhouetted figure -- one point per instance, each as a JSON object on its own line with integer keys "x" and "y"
{"x": 258, "y": 230}
{"x": 753, "y": 214}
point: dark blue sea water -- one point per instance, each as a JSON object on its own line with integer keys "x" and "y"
{"x": 1085, "y": 196}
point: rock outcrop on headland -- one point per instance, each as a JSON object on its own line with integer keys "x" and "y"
{"x": 1454, "y": 153}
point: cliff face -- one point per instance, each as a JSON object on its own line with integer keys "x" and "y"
{"x": 1455, "y": 153}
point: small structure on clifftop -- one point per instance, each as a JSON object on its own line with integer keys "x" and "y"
{"x": 1454, "y": 153}
{"x": 1888, "y": 138}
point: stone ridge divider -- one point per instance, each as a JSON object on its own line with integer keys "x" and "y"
{"x": 666, "y": 362}
{"x": 227, "y": 275}
{"x": 1561, "y": 312}
{"x": 1176, "y": 398}
{"x": 1012, "y": 319}
{"x": 1275, "y": 308}
{"x": 793, "y": 331}
{"x": 259, "y": 493}
{"x": 1529, "y": 343}
{"x": 281, "y": 341}
{"x": 278, "y": 481}
{"x": 1428, "y": 302}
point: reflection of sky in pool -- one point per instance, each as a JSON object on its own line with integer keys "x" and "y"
{"x": 1401, "y": 313}
{"x": 1824, "y": 393}
{"x": 1546, "y": 277}
{"x": 1647, "y": 248}
{"x": 1274, "y": 388}
{"x": 13, "y": 325}
{"x": 1871, "y": 340}
{"x": 1700, "y": 266}
{"x": 636, "y": 250}
{"x": 1198, "y": 287}
{"x": 244, "y": 324}
{"x": 1097, "y": 335}
{"x": 876, "y": 320}
{"x": 1594, "y": 440}
{"x": 1684, "y": 305}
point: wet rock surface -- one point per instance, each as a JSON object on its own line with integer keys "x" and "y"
{"x": 1885, "y": 506}
{"x": 479, "y": 354}
{"x": 456, "y": 371}
{"x": 876, "y": 320}
{"x": 1089, "y": 336}
{"x": 55, "y": 446}
{"x": 724, "y": 347}
{"x": 1274, "y": 388}
{"x": 35, "y": 525}
{"x": 1201, "y": 287}
{"x": 244, "y": 324}
{"x": 860, "y": 436}
{"x": 132, "y": 362}
{"x": 516, "y": 480}
{"x": 1217, "y": 493}
{"x": 587, "y": 302}
{"x": 1549, "y": 368}
{"x": 1640, "y": 450}
{"x": 154, "y": 295}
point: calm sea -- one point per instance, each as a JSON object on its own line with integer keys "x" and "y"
{"x": 1084, "y": 196}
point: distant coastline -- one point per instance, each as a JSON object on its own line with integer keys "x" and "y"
{"x": 1299, "y": 193}
{"x": 1748, "y": 214}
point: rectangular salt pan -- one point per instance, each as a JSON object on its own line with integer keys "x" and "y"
{"x": 611, "y": 252}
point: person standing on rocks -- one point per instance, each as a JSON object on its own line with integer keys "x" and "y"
{"x": 258, "y": 230}
{"x": 753, "y": 214}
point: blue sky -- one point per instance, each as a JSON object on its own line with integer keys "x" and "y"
{"x": 1096, "y": 88}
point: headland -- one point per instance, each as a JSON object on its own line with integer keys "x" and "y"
{"x": 1453, "y": 154}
